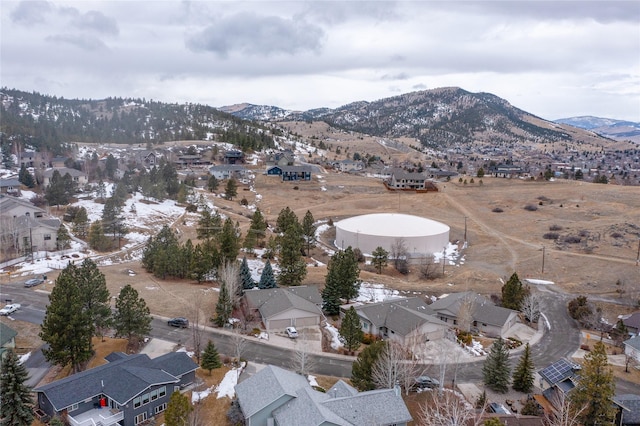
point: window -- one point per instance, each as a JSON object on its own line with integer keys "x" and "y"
{"x": 145, "y": 398}
{"x": 136, "y": 402}
{"x": 140, "y": 418}
{"x": 162, "y": 391}
{"x": 154, "y": 395}
{"x": 73, "y": 407}
{"x": 176, "y": 388}
{"x": 47, "y": 237}
{"x": 160, "y": 408}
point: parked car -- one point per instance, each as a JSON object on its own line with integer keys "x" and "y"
{"x": 33, "y": 282}
{"x": 179, "y": 322}
{"x": 9, "y": 309}
{"x": 426, "y": 382}
{"x": 292, "y": 332}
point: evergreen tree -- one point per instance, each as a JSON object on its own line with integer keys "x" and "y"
{"x": 210, "y": 358}
{"x": 81, "y": 223}
{"x": 342, "y": 275}
{"x": 523, "y": 374}
{"x": 595, "y": 388}
{"x": 132, "y": 317}
{"x": 380, "y": 258}
{"x": 97, "y": 239}
{"x": 258, "y": 227}
{"x": 362, "y": 366}
{"x": 63, "y": 239}
{"x": 113, "y": 220}
{"x": 111, "y": 166}
{"x": 267, "y": 279}
{"x": 223, "y": 307}
{"x": 229, "y": 241}
{"x": 496, "y": 370}
{"x": 331, "y": 300}
{"x": 94, "y": 293}
{"x": 309, "y": 230}
{"x": 513, "y": 293}
{"x": 209, "y": 225}
{"x": 286, "y": 218}
{"x": 58, "y": 192}
{"x": 293, "y": 268}
{"x": 245, "y": 275}
{"x": 250, "y": 241}
{"x": 160, "y": 255}
{"x": 16, "y": 403}
{"x": 213, "y": 184}
{"x": 351, "y": 330}
{"x": 67, "y": 327}
{"x": 231, "y": 189}
{"x": 26, "y": 178}
{"x": 178, "y": 410}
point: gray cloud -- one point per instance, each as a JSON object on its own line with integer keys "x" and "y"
{"x": 419, "y": 86}
{"x": 248, "y": 33}
{"x": 392, "y": 77}
{"x": 83, "y": 42}
{"x": 96, "y": 21}
{"x": 30, "y": 12}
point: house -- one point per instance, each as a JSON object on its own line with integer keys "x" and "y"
{"x": 556, "y": 381}
{"x": 233, "y": 157}
{"x": 291, "y": 173}
{"x": 507, "y": 171}
{"x": 28, "y": 159}
{"x": 10, "y": 186}
{"x": 486, "y": 318}
{"x": 228, "y": 171}
{"x": 79, "y": 178}
{"x": 628, "y": 409}
{"x": 275, "y": 396}
{"x": 14, "y": 207}
{"x": 284, "y": 158}
{"x": 126, "y": 391}
{"x": 347, "y": 166}
{"x": 146, "y": 158}
{"x": 402, "y": 179}
{"x": 403, "y": 320}
{"x": 632, "y": 348}
{"x": 280, "y": 308}
{"x": 58, "y": 161}
{"x": 632, "y": 322}
{"x": 7, "y": 339}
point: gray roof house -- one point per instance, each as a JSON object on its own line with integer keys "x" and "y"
{"x": 632, "y": 322}
{"x": 402, "y": 320}
{"x": 402, "y": 179}
{"x": 487, "y": 318}
{"x": 632, "y": 348}
{"x": 279, "y": 308}
{"x": 628, "y": 409}
{"x": 227, "y": 171}
{"x": 126, "y": 391}
{"x": 7, "y": 339}
{"x": 78, "y": 177}
{"x": 10, "y": 186}
{"x": 278, "y": 396}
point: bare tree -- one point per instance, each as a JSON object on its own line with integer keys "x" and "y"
{"x": 230, "y": 275}
{"x": 394, "y": 367}
{"x": 239, "y": 345}
{"x": 9, "y": 234}
{"x": 465, "y": 312}
{"x": 302, "y": 359}
{"x": 197, "y": 326}
{"x": 531, "y": 306}
{"x": 429, "y": 270}
{"x": 197, "y": 416}
{"x": 565, "y": 413}
{"x": 447, "y": 409}
{"x": 400, "y": 255}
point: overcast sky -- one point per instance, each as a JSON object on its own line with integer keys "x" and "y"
{"x": 554, "y": 59}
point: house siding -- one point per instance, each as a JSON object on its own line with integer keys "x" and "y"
{"x": 261, "y": 418}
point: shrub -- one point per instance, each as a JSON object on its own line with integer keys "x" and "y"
{"x": 358, "y": 254}
{"x": 513, "y": 343}
{"x": 464, "y": 337}
{"x": 244, "y": 202}
{"x": 584, "y": 233}
{"x": 585, "y": 348}
{"x": 497, "y": 210}
{"x": 296, "y": 187}
{"x": 191, "y": 208}
{"x": 572, "y": 239}
{"x": 531, "y": 207}
{"x": 551, "y": 236}
{"x": 368, "y": 338}
{"x": 555, "y": 228}
{"x": 616, "y": 235}
{"x": 255, "y": 331}
{"x": 330, "y": 223}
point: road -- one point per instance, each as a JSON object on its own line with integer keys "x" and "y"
{"x": 559, "y": 341}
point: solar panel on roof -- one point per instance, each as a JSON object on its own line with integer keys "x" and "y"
{"x": 558, "y": 371}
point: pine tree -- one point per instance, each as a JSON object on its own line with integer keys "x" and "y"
{"x": 351, "y": 330}
{"x": 67, "y": 327}
{"x": 361, "y": 371}
{"x": 229, "y": 241}
{"x": 286, "y": 218}
{"x": 342, "y": 275}
{"x": 309, "y": 230}
{"x": 231, "y": 190}
{"x": 523, "y": 374}
{"x": 178, "y": 410}
{"x": 94, "y": 293}
{"x": 267, "y": 279}
{"x": 26, "y": 178}
{"x": 293, "y": 268}
{"x": 63, "y": 239}
{"x": 210, "y": 358}
{"x": 245, "y": 275}
{"x": 16, "y": 407}
{"x": 213, "y": 184}
{"x": 513, "y": 293}
{"x": 496, "y": 370}
{"x": 223, "y": 307}
{"x": 331, "y": 299}
{"x": 380, "y": 258}
{"x": 97, "y": 239}
{"x": 595, "y": 388}
{"x": 258, "y": 227}
{"x": 132, "y": 317}
{"x": 81, "y": 223}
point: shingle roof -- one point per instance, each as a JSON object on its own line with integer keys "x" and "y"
{"x": 9, "y": 182}
{"x": 632, "y": 320}
{"x": 400, "y": 174}
{"x": 273, "y": 301}
{"x": 8, "y": 203}
{"x": 381, "y": 407}
{"x": 633, "y": 342}
{"x": 6, "y": 334}
{"x": 631, "y": 408}
{"x": 341, "y": 389}
{"x": 265, "y": 387}
{"x": 483, "y": 310}
{"x": 400, "y": 315}
{"x": 307, "y": 409}
{"x": 559, "y": 371}
{"x": 121, "y": 380}
{"x": 175, "y": 363}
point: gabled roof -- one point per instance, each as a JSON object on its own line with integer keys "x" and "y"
{"x": 9, "y": 203}
{"x": 121, "y": 379}
{"x": 307, "y": 409}
{"x": 633, "y": 342}
{"x": 632, "y": 320}
{"x": 63, "y": 171}
{"x": 483, "y": 310}
{"x": 382, "y": 406}
{"x": 399, "y": 174}
{"x": 26, "y": 222}
{"x": 295, "y": 169}
{"x": 227, "y": 167}
{"x": 630, "y": 405}
{"x": 9, "y": 182}
{"x": 341, "y": 389}
{"x": 400, "y": 315}
{"x": 559, "y": 371}
{"x": 6, "y": 334}
{"x": 175, "y": 363}
{"x": 274, "y": 301}
{"x": 266, "y": 386}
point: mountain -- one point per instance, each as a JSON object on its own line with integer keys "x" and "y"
{"x": 45, "y": 122}
{"x": 440, "y": 118}
{"x": 255, "y": 112}
{"x": 608, "y": 127}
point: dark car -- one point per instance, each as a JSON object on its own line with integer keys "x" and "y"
{"x": 33, "y": 282}
{"x": 426, "y": 382}
{"x": 179, "y": 322}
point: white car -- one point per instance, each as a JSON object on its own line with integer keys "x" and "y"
{"x": 292, "y": 332}
{"x": 9, "y": 309}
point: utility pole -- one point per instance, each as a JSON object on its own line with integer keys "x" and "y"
{"x": 638, "y": 256}
{"x": 465, "y": 229}
{"x": 543, "y": 259}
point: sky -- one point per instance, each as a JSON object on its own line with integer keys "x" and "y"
{"x": 554, "y": 59}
